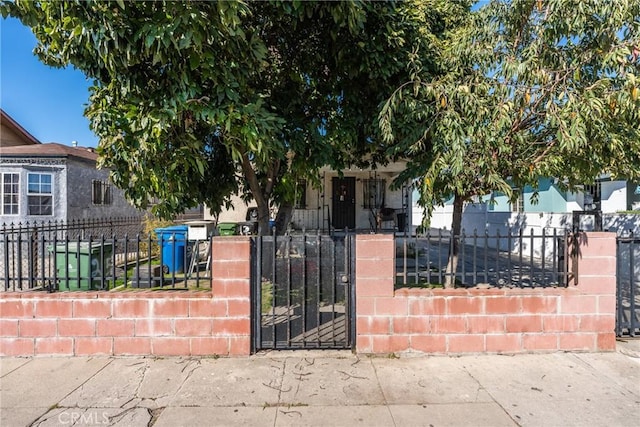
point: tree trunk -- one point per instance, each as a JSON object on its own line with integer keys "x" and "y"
{"x": 260, "y": 195}
{"x": 263, "y": 218}
{"x": 454, "y": 248}
{"x": 283, "y": 218}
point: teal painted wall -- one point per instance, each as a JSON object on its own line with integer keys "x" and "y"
{"x": 550, "y": 198}
{"x": 500, "y": 203}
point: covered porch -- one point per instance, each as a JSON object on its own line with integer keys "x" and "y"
{"x": 359, "y": 200}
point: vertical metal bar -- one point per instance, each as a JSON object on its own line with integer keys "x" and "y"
{"x": 304, "y": 289}
{"x": 32, "y": 258}
{"x": 112, "y": 282}
{"x": 274, "y": 249}
{"x": 126, "y": 261}
{"x": 498, "y": 257}
{"x": 440, "y": 280}
{"x": 343, "y": 285}
{"x": 416, "y": 260}
{"x": 619, "y": 317}
{"x": 195, "y": 259}
{"x": 450, "y": 251}
{"x": 509, "y": 253}
{"x": 78, "y": 262}
{"x": 149, "y": 257}
{"x": 486, "y": 255}
{"x": 333, "y": 289}
{"x": 543, "y": 253}
{"x": 174, "y": 259}
{"x": 405, "y": 260}
{"x": 554, "y": 259}
{"x": 462, "y": 257}
{"x": 19, "y": 259}
{"x": 520, "y": 266}
{"x": 633, "y": 324}
{"x": 54, "y": 286}
{"x": 318, "y": 291}
{"x": 428, "y": 249}
{"x": 475, "y": 256}
{"x": 41, "y": 246}
{"x": 67, "y": 273}
{"x": 350, "y": 296}
{"x": 532, "y": 265}
{"x": 287, "y": 258}
{"x": 5, "y": 245}
{"x": 101, "y": 264}
{"x": 257, "y": 308}
{"x": 137, "y": 262}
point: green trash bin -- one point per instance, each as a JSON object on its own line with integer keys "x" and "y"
{"x": 83, "y": 262}
{"x": 227, "y": 228}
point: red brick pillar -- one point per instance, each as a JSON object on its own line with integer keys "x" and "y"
{"x": 375, "y": 272}
{"x": 230, "y": 288}
{"x": 594, "y": 305}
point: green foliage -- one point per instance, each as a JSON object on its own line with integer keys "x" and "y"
{"x": 150, "y": 223}
{"x": 531, "y": 89}
{"x": 194, "y": 101}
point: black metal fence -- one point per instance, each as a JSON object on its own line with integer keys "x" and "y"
{"x": 99, "y": 255}
{"x": 497, "y": 260}
{"x": 302, "y": 291}
{"x": 628, "y": 286}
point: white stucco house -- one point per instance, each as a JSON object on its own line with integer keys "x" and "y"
{"x": 355, "y": 199}
{"x": 615, "y": 199}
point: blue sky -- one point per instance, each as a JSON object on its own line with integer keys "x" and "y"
{"x": 47, "y": 102}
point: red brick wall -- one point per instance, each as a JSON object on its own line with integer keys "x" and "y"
{"x": 163, "y": 323}
{"x": 580, "y": 317}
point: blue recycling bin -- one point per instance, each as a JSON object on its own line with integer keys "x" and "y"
{"x": 173, "y": 241}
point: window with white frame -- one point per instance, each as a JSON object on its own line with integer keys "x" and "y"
{"x": 10, "y": 193}
{"x": 592, "y": 195}
{"x": 101, "y": 193}
{"x": 373, "y": 193}
{"x": 39, "y": 194}
{"x": 518, "y": 204}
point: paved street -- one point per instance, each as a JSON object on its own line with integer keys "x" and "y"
{"x": 325, "y": 388}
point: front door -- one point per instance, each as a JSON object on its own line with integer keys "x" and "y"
{"x": 344, "y": 202}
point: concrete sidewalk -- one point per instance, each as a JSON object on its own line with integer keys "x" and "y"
{"x": 323, "y": 389}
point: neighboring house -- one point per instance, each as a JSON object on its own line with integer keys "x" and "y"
{"x": 604, "y": 194}
{"x": 12, "y": 134}
{"x": 47, "y": 182}
{"x": 553, "y": 210}
{"x": 357, "y": 199}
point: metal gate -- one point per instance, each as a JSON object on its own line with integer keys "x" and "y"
{"x": 303, "y": 292}
{"x": 628, "y": 286}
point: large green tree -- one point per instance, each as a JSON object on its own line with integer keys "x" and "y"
{"x": 532, "y": 88}
{"x": 194, "y": 101}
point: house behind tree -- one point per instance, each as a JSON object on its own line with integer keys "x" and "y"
{"x": 53, "y": 182}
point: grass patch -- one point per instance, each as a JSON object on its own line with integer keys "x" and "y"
{"x": 266, "y": 293}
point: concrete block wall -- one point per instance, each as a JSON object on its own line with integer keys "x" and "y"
{"x": 160, "y": 323}
{"x": 578, "y": 318}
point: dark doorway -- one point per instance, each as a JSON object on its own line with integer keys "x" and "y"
{"x": 343, "y": 193}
